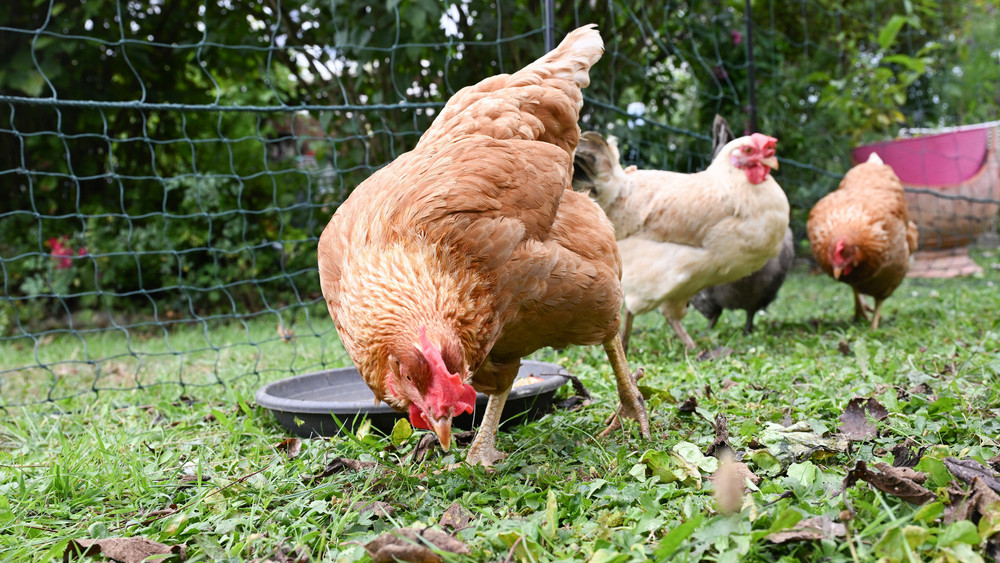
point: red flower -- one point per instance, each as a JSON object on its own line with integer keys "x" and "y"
{"x": 62, "y": 252}
{"x": 736, "y": 36}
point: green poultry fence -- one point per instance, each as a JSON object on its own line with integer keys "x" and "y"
{"x": 167, "y": 167}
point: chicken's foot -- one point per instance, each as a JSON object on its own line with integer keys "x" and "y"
{"x": 483, "y": 450}
{"x": 630, "y": 400}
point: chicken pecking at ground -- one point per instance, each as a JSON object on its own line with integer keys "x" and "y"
{"x": 443, "y": 269}
{"x": 861, "y": 234}
{"x": 756, "y": 291}
{"x": 680, "y": 233}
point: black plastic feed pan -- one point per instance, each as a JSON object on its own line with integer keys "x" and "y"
{"x": 313, "y": 403}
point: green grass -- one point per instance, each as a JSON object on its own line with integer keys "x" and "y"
{"x": 207, "y": 473}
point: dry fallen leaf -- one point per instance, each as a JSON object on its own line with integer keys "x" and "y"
{"x": 969, "y": 469}
{"x": 338, "y": 465}
{"x": 429, "y": 441}
{"x": 971, "y": 505}
{"x": 688, "y": 405}
{"x": 902, "y": 482}
{"x": 854, "y": 422}
{"x": 125, "y": 550}
{"x": 291, "y": 447}
{"x": 376, "y": 508}
{"x": 907, "y": 454}
{"x": 456, "y": 517}
{"x": 810, "y": 529}
{"x": 413, "y": 546}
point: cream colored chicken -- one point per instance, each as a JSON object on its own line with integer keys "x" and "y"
{"x": 680, "y": 233}
{"x": 443, "y": 269}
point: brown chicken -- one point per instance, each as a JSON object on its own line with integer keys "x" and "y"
{"x": 680, "y": 233}
{"x": 443, "y": 269}
{"x": 861, "y": 234}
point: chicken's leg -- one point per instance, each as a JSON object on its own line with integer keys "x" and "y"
{"x": 627, "y": 329}
{"x": 674, "y": 311}
{"x": 682, "y": 333}
{"x": 878, "y": 313}
{"x": 630, "y": 400}
{"x": 483, "y": 450}
{"x": 860, "y": 307}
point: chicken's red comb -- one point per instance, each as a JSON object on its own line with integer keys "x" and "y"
{"x": 763, "y": 141}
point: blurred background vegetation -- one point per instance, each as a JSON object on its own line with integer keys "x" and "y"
{"x": 179, "y": 158}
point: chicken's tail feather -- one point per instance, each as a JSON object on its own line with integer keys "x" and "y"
{"x": 581, "y": 48}
{"x": 595, "y": 165}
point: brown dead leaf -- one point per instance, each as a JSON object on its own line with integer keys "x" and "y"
{"x": 688, "y": 405}
{"x": 969, "y": 469}
{"x": 994, "y": 462}
{"x": 125, "y": 550}
{"x": 456, "y": 517}
{"x": 727, "y": 384}
{"x": 376, "y": 508}
{"x": 810, "y": 529}
{"x": 721, "y": 443}
{"x": 292, "y": 447}
{"x": 429, "y": 441}
{"x": 844, "y": 347}
{"x": 339, "y": 465}
{"x": 414, "y": 546}
{"x": 902, "y": 482}
{"x": 854, "y": 422}
{"x": 154, "y": 515}
{"x": 907, "y": 454}
{"x": 580, "y": 399}
{"x": 971, "y": 504}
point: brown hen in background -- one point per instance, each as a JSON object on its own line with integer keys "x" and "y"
{"x": 861, "y": 234}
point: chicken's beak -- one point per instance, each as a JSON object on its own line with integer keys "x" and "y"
{"x": 836, "y": 272}
{"x": 442, "y": 427}
{"x": 771, "y": 162}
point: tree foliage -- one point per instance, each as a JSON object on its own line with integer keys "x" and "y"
{"x": 157, "y": 172}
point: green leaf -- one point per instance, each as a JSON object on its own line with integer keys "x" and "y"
{"x": 766, "y": 463}
{"x": 605, "y": 555}
{"x": 916, "y": 65}
{"x": 676, "y": 536}
{"x": 888, "y": 34}
{"x": 551, "y": 515}
{"x": 805, "y": 473}
{"x": 401, "y": 432}
{"x": 929, "y": 512}
{"x": 962, "y": 531}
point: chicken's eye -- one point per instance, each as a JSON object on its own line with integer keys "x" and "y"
{"x": 747, "y": 150}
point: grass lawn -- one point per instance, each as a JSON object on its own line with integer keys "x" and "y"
{"x": 213, "y": 472}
